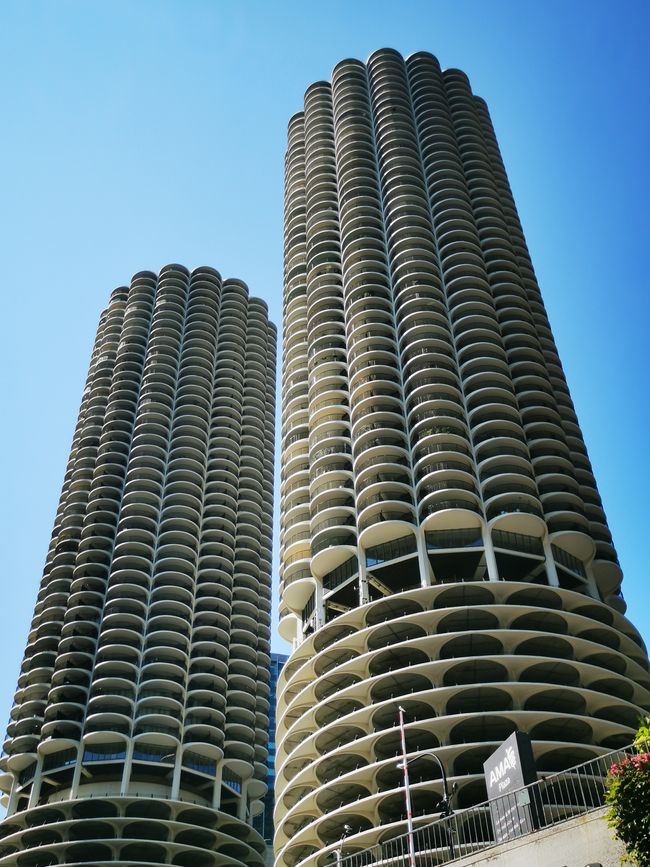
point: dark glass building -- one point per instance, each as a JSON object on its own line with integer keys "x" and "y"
{"x": 265, "y": 821}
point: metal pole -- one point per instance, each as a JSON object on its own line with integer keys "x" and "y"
{"x": 448, "y": 809}
{"x": 338, "y": 854}
{"x": 407, "y": 790}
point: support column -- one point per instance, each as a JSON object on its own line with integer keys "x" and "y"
{"x": 128, "y": 764}
{"x": 319, "y": 605}
{"x": 35, "y": 793}
{"x": 364, "y": 592}
{"x": 551, "y": 570}
{"x": 592, "y": 586}
{"x": 76, "y": 776}
{"x": 176, "y": 777}
{"x": 242, "y": 810}
{"x": 490, "y": 556}
{"x": 13, "y": 798}
{"x": 426, "y": 572}
{"x": 216, "y": 795}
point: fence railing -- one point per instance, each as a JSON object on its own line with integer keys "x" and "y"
{"x": 554, "y": 798}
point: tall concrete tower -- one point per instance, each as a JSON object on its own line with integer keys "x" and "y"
{"x": 443, "y": 543}
{"x": 139, "y": 728}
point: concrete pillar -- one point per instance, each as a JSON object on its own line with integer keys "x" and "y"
{"x": 551, "y": 570}
{"x": 243, "y": 802}
{"x": 364, "y": 592}
{"x": 490, "y": 556}
{"x": 128, "y": 764}
{"x": 426, "y": 572}
{"x": 176, "y": 777}
{"x": 319, "y": 605}
{"x": 13, "y": 798}
{"x": 592, "y": 586}
{"x": 216, "y": 795}
{"x": 76, "y": 776}
{"x": 35, "y": 793}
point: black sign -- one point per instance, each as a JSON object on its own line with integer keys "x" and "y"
{"x": 513, "y": 808}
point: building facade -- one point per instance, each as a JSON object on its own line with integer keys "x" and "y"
{"x": 443, "y": 544}
{"x": 140, "y": 723}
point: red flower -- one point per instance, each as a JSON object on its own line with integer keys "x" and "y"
{"x": 638, "y": 762}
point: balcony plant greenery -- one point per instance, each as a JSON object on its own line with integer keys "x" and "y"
{"x": 628, "y": 796}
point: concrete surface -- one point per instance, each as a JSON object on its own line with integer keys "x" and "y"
{"x": 585, "y": 841}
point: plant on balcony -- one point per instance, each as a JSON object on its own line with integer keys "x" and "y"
{"x": 628, "y": 796}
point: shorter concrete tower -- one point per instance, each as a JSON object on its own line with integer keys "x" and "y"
{"x": 140, "y": 724}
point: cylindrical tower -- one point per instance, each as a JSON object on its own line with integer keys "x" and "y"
{"x": 443, "y": 543}
{"x": 139, "y": 729}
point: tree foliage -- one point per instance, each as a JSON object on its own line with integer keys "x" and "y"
{"x": 628, "y": 796}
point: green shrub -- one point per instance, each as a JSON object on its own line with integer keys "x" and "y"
{"x": 628, "y": 795}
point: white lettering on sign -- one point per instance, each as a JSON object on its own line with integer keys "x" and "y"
{"x": 509, "y": 762}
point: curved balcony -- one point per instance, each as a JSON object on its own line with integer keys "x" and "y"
{"x": 336, "y": 727}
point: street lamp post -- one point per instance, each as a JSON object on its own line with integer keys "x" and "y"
{"x": 447, "y": 809}
{"x": 407, "y": 790}
{"x": 338, "y": 853}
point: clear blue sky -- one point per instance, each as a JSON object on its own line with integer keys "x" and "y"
{"x": 139, "y": 133}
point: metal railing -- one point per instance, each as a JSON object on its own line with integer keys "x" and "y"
{"x": 553, "y": 799}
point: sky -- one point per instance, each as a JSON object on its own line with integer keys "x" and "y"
{"x": 140, "y": 133}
